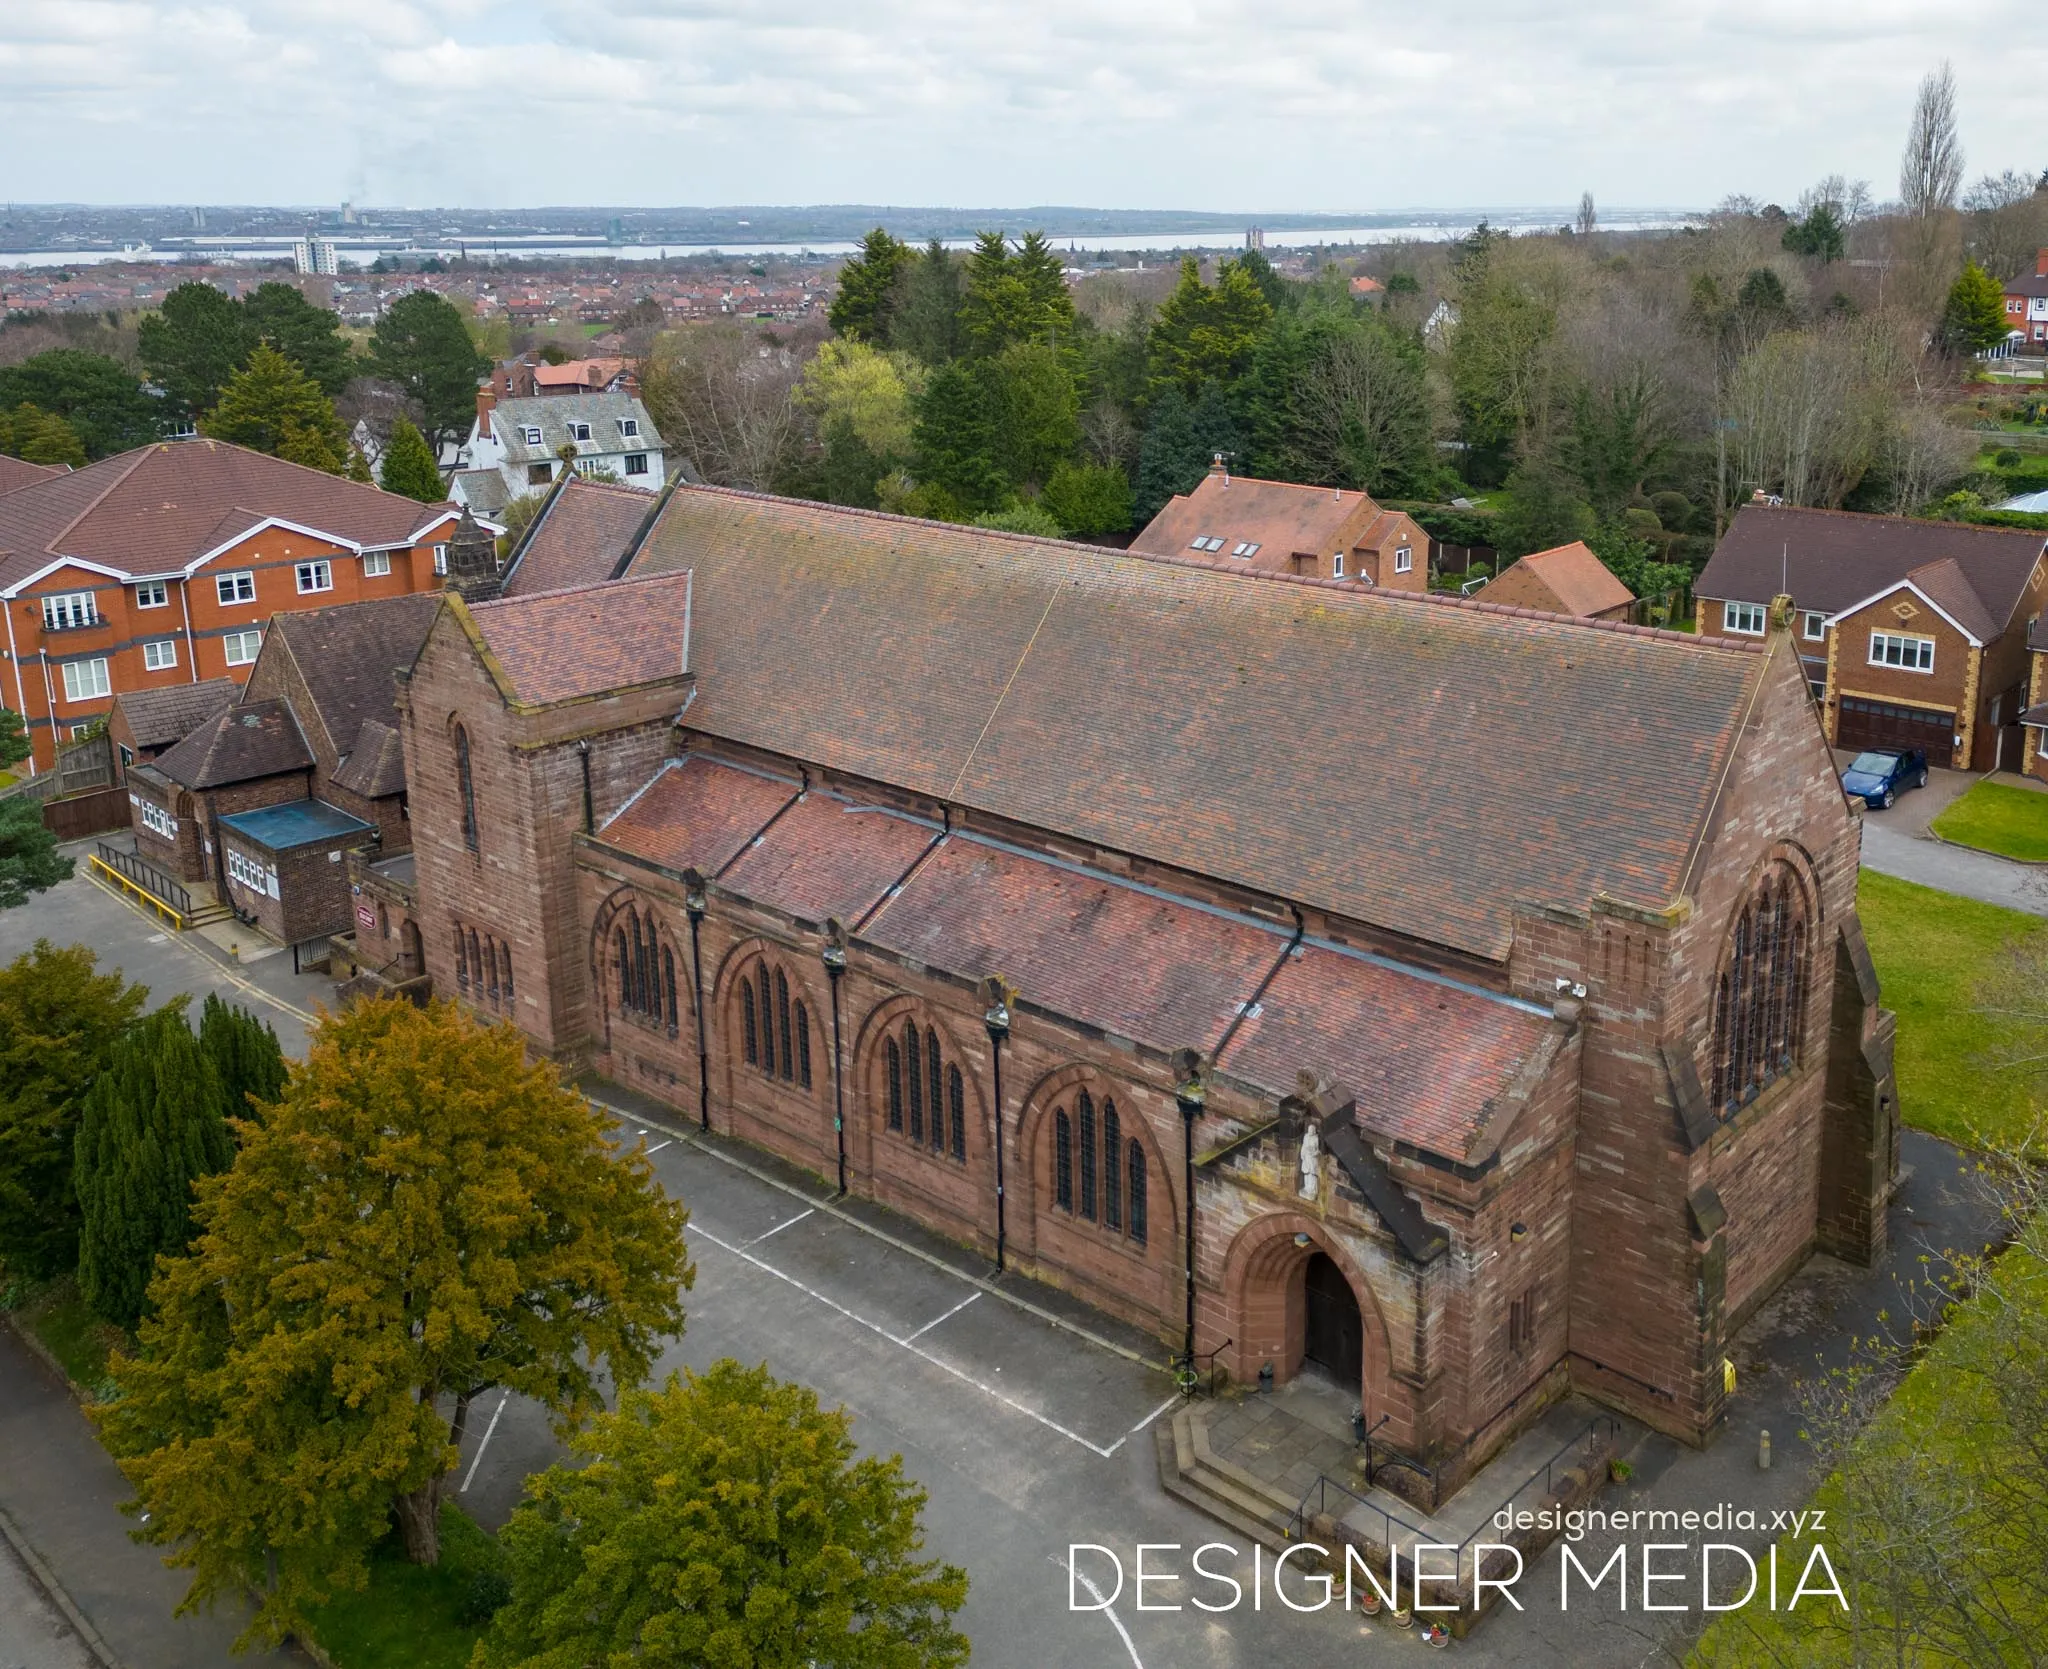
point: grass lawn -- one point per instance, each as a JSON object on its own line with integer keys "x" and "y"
{"x": 1995, "y": 817}
{"x": 56, "y": 1314}
{"x": 1932, "y": 949}
{"x": 410, "y": 1616}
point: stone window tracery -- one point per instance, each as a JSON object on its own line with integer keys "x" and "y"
{"x": 926, "y": 1094}
{"x": 775, "y": 1028}
{"x": 466, "y": 784}
{"x": 1760, "y": 997}
{"x": 643, "y": 970}
{"x": 1089, "y": 1146}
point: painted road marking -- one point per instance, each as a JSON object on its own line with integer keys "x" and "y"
{"x": 1108, "y": 1611}
{"x": 779, "y": 1227}
{"x": 658, "y": 1146}
{"x": 922, "y": 1355}
{"x": 470, "y": 1477}
{"x": 948, "y": 1316}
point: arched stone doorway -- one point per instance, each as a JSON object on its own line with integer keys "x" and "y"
{"x": 1333, "y": 1330}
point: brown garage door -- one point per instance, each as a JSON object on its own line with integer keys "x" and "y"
{"x": 1879, "y": 724}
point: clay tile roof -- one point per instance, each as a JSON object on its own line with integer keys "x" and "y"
{"x": 696, "y": 815}
{"x": 828, "y": 857}
{"x": 558, "y": 645}
{"x": 350, "y": 657}
{"x": 159, "y": 717}
{"x": 1835, "y": 559}
{"x": 161, "y": 507}
{"x": 18, "y": 472}
{"x": 1945, "y": 585}
{"x": 1281, "y": 517}
{"x": 1262, "y": 730}
{"x": 260, "y": 740}
{"x": 578, "y": 537}
{"x": 1579, "y": 580}
{"x": 375, "y": 766}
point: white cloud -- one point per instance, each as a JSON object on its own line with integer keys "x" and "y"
{"x": 1226, "y": 104}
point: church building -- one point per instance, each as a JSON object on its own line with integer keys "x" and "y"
{"x": 1466, "y": 1003}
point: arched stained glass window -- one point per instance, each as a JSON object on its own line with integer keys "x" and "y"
{"x": 1062, "y": 1160}
{"x": 1085, "y": 1120}
{"x": 782, "y": 1020}
{"x": 895, "y": 1086}
{"x": 668, "y": 979}
{"x": 933, "y": 1077}
{"x": 467, "y": 787}
{"x": 767, "y": 1025}
{"x": 461, "y": 960}
{"x": 750, "y": 1033}
{"x": 1135, "y": 1163}
{"x": 803, "y": 1046}
{"x": 1760, "y": 995}
{"x": 914, "y": 1059}
{"x": 956, "y": 1108}
{"x": 505, "y": 956}
{"x": 1112, "y": 1168}
{"x": 625, "y": 961}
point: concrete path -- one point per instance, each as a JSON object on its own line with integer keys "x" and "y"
{"x": 64, "y": 1494}
{"x": 1956, "y": 869}
{"x": 33, "y": 1634}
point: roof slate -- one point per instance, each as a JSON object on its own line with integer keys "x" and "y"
{"x": 161, "y": 507}
{"x": 696, "y": 815}
{"x": 578, "y": 537}
{"x": 375, "y": 766}
{"x": 1281, "y": 517}
{"x": 1267, "y": 732}
{"x": 19, "y": 472}
{"x": 260, "y": 740}
{"x": 557, "y": 645}
{"x": 159, "y": 717}
{"x": 552, "y": 413}
{"x": 1835, "y": 559}
{"x": 350, "y": 657}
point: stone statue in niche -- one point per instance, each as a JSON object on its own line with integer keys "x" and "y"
{"x": 1311, "y": 1162}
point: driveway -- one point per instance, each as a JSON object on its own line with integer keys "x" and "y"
{"x": 1897, "y": 842}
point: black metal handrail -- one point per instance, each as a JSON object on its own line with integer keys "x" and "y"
{"x": 1600, "y": 1424}
{"x": 1194, "y": 1378}
{"x": 147, "y": 876}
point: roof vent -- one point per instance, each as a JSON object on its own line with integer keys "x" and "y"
{"x": 251, "y": 720}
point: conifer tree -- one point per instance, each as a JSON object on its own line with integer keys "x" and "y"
{"x": 245, "y": 1055}
{"x": 408, "y": 465}
{"x": 273, "y": 406}
{"x": 867, "y": 285}
{"x": 152, "y": 1126}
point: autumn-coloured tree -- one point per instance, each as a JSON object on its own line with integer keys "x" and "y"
{"x": 423, "y": 1215}
{"x": 724, "y": 1520}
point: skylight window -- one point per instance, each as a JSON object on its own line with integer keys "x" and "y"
{"x": 1245, "y": 547}
{"x": 1205, "y": 542}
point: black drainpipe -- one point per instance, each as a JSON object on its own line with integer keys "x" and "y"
{"x": 997, "y": 1020}
{"x": 834, "y": 956}
{"x": 695, "y": 904}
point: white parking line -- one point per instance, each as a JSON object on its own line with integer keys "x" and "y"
{"x": 658, "y": 1146}
{"x": 948, "y": 1316}
{"x": 1108, "y": 1611}
{"x": 470, "y": 1477}
{"x": 779, "y": 1227}
{"x": 1161, "y": 1409}
{"x": 922, "y": 1355}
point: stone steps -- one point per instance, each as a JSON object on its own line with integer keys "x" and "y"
{"x": 1190, "y": 1473}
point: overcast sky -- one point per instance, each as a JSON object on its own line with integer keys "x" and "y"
{"x": 1252, "y": 105}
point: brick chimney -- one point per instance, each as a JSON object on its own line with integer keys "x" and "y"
{"x": 486, "y": 403}
{"x": 2041, "y": 264}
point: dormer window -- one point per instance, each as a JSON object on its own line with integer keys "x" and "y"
{"x": 579, "y": 431}
{"x": 629, "y": 427}
{"x": 532, "y": 433}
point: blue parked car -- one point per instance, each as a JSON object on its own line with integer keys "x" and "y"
{"x": 1878, "y": 779}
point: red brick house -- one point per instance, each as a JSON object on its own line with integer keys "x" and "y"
{"x": 1913, "y": 633}
{"x": 1567, "y": 580}
{"x": 1247, "y": 525}
{"x": 262, "y": 802}
{"x": 163, "y": 566}
{"x": 2026, "y": 306}
{"x": 935, "y": 858}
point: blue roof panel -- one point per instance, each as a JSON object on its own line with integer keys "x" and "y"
{"x": 295, "y": 823}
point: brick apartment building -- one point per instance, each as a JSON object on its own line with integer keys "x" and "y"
{"x": 1279, "y": 527}
{"x": 163, "y": 566}
{"x": 1515, "y": 1028}
{"x": 1913, "y": 634}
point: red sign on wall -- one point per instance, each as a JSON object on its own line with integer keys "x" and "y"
{"x": 366, "y": 918}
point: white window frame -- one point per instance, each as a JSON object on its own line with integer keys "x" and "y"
{"x": 1883, "y": 645}
{"x": 154, "y": 818}
{"x": 630, "y": 427}
{"x": 1813, "y": 627}
{"x": 636, "y": 463}
{"x": 376, "y": 564}
{"x": 160, "y": 654}
{"x": 248, "y": 873}
{"x": 152, "y": 594}
{"x": 440, "y": 559}
{"x": 87, "y": 680}
{"x": 236, "y": 588}
{"x": 1404, "y": 560}
{"x": 315, "y": 575}
{"x": 579, "y": 431}
{"x": 1744, "y": 619}
{"x": 1336, "y": 565}
{"x": 1246, "y": 548}
{"x": 251, "y": 640}
{"x": 65, "y": 610}
{"x": 531, "y": 433}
